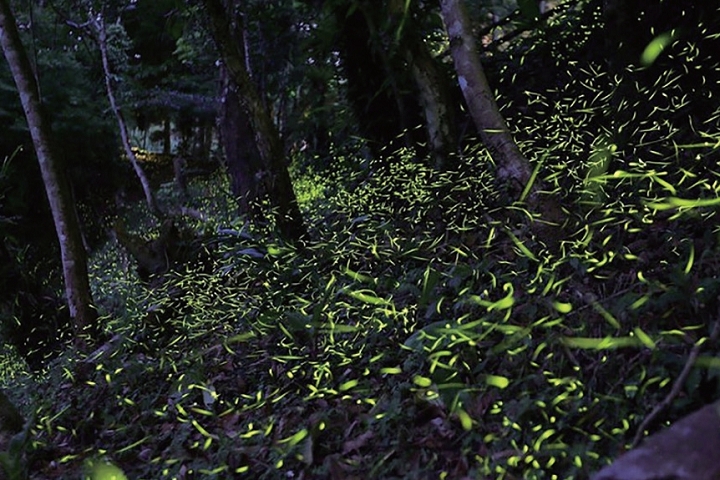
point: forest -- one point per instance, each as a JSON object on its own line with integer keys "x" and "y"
{"x": 359, "y": 239}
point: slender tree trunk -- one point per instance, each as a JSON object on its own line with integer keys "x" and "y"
{"x": 98, "y": 24}
{"x": 206, "y": 135}
{"x": 267, "y": 139}
{"x": 73, "y": 255}
{"x": 512, "y": 165}
{"x": 167, "y": 137}
{"x": 179, "y": 167}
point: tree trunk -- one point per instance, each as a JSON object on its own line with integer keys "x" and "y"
{"x": 242, "y": 158}
{"x": 433, "y": 89}
{"x": 390, "y": 77}
{"x": 434, "y": 100}
{"x": 167, "y": 135}
{"x": 206, "y": 137}
{"x": 512, "y": 165}
{"x": 98, "y": 24}
{"x": 384, "y": 115}
{"x": 179, "y": 166}
{"x": 73, "y": 255}
{"x": 275, "y": 175}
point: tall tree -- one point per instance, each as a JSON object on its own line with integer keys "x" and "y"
{"x": 384, "y": 111}
{"x": 494, "y": 132}
{"x": 432, "y": 86}
{"x": 242, "y": 157}
{"x": 99, "y": 28}
{"x": 274, "y": 175}
{"x": 72, "y": 252}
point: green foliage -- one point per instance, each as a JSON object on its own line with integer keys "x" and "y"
{"x": 118, "y": 44}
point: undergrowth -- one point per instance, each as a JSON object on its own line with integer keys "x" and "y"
{"x": 418, "y": 334}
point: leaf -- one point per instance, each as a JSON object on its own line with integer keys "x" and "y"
{"x": 202, "y": 430}
{"x": 525, "y": 251}
{"x": 241, "y": 337}
{"x": 276, "y": 251}
{"x": 296, "y": 438}
{"x": 391, "y": 370}
{"x": 562, "y": 307}
{"x": 533, "y": 176}
{"x": 708, "y": 362}
{"x": 430, "y": 280}
{"x": 644, "y": 338}
{"x": 505, "y": 302}
{"x": 298, "y": 322}
{"x": 691, "y": 259}
{"x": 605, "y": 314}
{"x": 675, "y": 202}
{"x": 359, "y": 277}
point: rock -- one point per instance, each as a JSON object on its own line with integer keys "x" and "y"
{"x": 687, "y": 450}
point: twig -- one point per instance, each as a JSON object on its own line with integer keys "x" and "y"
{"x": 520, "y": 30}
{"x": 677, "y": 386}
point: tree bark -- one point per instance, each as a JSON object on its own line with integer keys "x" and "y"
{"x": 67, "y": 227}
{"x": 242, "y": 158}
{"x": 512, "y": 165}
{"x": 434, "y": 100}
{"x": 384, "y": 114}
{"x": 179, "y": 167}
{"x": 98, "y": 24}
{"x": 433, "y": 89}
{"x": 167, "y": 135}
{"x": 275, "y": 175}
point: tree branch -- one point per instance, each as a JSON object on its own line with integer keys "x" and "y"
{"x": 677, "y": 386}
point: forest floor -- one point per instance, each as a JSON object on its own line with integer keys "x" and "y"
{"x": 423, "y": 332}
{"x": 426, "y": 329}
